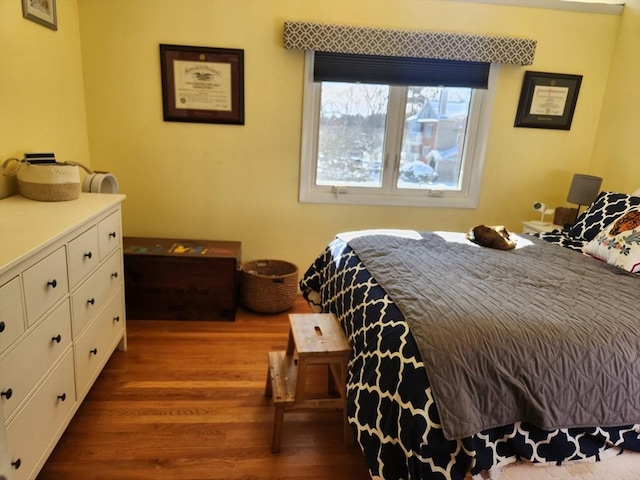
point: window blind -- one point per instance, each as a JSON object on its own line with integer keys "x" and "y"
{"x": 341, "y": 67}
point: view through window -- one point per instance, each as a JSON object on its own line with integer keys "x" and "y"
{"x": 372, "y": 142}
{"x": 352, "y": 135}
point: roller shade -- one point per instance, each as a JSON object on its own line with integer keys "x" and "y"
{"x": 341, "y": 67}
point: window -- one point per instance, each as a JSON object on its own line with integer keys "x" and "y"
{"x": 381, "y": 144}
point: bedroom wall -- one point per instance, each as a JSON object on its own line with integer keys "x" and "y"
{"x": 241, "y": 182}
{"x": 42, "y": 105}
{"x": 616, "y": 152}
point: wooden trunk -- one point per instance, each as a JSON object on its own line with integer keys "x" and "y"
{"x": 173, "y": 279}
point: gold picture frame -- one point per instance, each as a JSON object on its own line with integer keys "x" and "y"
{"x": 41, "y": 11}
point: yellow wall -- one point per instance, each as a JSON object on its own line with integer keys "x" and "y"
{"x": 241, "y": 182}
{"x": 616, "y": 153}
{"x": 42, "y": 105}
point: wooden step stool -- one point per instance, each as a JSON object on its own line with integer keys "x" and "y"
{"x": 313, "y": 339}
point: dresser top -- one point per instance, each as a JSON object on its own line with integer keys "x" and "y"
{"x": 28, "y": 225}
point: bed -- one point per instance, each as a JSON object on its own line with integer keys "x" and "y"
{"x": 421, "y": 403}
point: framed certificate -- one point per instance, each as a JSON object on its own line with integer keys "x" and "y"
{"x": 548, "y": 100}
{"x": 41, "y": 11}
{"x": 202, "y": 84}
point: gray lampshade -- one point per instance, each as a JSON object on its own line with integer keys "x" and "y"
{"x": 584, "y": 189}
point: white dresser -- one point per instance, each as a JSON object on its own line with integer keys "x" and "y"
{"x": 62, "y": 315}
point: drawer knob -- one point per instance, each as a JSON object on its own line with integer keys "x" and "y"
{"x": 53, "y": 283}
{"x": 16, "y": 464}
{"x": 88, "y": 255}
{"x": 114, "y": 275}
{"x": 62, "y": 397}
{"x": 116, "y": 319}
{"x": 57, "y": 338}
{"x": 1, "y": 327}
{"x": 112, "y": 234}
{"x": 94, "y": 351}
{"x": 7, "y": 393}
{"x": 92, "y": 301}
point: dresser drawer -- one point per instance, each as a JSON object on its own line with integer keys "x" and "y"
{"x": 11, "y": 313}
{"x": 44, "y": 284}
{"x": 89, "y": 298}
{"x": 97, "y": 342}
{"x": 109, "y": 231}
{"x": 33, "y": 432}
{"x": 83, "y": 255}
{"x": 24, "y": 366}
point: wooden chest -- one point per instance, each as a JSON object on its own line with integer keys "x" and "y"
{"x": 172, "y": 279}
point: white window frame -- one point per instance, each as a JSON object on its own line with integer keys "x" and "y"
{"x": 478, "y": 124}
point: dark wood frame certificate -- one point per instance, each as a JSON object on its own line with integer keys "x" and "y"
{"x": 202, "y": 84}
{"x": 548, "y": 100}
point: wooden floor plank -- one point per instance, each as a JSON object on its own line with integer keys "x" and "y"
{"x": 186, "y": 402}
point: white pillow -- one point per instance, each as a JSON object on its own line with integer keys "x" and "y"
{"x": 619, "y": 243}
{"x": 636, "y": 193}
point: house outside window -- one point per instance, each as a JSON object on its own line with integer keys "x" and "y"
{"x": 380, "y": 144}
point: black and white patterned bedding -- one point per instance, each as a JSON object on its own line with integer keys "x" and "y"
{"x": 602, "y": 212}
{"x": 390, "y": 403}
{"x": 560, "y": 238}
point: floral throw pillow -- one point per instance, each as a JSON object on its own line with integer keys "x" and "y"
{"x": 607, "y": 207}
{"x": 619, "y": 243}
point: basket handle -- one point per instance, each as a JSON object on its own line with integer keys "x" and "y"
{"x": 6, "y": 171}
{"x": 5, "y": 166}
{"x": 78, "y": 164}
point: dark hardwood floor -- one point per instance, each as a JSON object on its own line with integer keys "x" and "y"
{"x": 186, "y": 401}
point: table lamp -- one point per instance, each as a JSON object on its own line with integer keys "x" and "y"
{"x": 584, "y": 189}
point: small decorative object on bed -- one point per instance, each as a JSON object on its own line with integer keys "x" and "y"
{"x": 491, "y": 237}
{"x": 458, "y": 368}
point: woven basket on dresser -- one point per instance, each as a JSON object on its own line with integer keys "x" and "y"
{"x": 269, "y": 286}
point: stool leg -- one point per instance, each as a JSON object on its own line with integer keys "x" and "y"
{"x": 268, "y": 389}
{"x": 277, "y": 430}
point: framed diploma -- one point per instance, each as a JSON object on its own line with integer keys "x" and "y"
{"x": 41, "y": 11}
{"x": 202, "y": 84}
{"x": 548, "y": 100}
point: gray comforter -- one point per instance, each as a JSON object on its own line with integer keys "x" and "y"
{"x": 539, "y": 334}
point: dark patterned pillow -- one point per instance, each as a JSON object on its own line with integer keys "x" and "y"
{"x": 601, "y": 213}
{"x": 560, "y": 238}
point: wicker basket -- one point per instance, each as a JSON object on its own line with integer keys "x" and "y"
{"x": 46, "y": 182}
{"x": 269, "y": 286}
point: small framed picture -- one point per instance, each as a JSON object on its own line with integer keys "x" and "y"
{"x": 202, "y": 84}
{"x": 548, "y": 100}
{"x": 41, "y": 11}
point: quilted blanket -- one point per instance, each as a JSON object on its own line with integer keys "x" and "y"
{"x": 525, "y": 335}
{"x": 390, "y": 400}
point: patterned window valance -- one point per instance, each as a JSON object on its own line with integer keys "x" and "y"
{"x": 406, "y": 43}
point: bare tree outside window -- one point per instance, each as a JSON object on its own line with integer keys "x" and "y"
{"x": 353, "y": 132}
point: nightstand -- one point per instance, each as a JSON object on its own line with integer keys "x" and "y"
{"x": 536, "y": 226}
